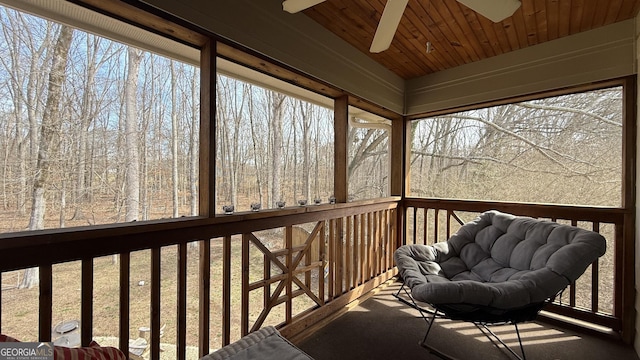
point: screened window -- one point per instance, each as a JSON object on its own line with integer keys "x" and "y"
{"x": 368, "y": 167}
{"x": 94, "y": 130}
{"x": 562, "y": 150}
{"x": 274, "y": 142}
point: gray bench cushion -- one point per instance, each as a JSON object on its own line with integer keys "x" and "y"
{"x": 499, "y": 260}
{"x": 263, "y": 344}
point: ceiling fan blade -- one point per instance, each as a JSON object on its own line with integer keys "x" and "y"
{"x": 294, "y": 6}
{"x": 388, "y": 25}
{"x": 494, "y": 10}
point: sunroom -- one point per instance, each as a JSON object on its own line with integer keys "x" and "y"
{"x": 177, "y": 175}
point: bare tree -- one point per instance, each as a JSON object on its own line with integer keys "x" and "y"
{"x": 49, "y": 135}
{"x": 174, "y": 140}
{"x": 132, "y": 178}
{"x": 193, "y": 146}
{"x": 537, "y": 151}
{"x": 91, "y": 102}
{"x": 276, "y": 105}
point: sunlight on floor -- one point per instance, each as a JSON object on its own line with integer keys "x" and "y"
{"x": 531, "y": 333}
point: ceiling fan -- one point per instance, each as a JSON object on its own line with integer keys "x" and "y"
{"x": 494, "y": 10}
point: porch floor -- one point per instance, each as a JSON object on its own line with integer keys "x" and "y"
{"x": 384, "y": 328}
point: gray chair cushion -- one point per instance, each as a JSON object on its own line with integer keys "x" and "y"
{"x": 499, "y": 260}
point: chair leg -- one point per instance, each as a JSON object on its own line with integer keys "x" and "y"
{"x": 432, "y": 349}
{"x": 520, "y": 341}
{"x": 412, "y": 302}
{"x": 431, "y": 321}
{"x": 483, "y": 327}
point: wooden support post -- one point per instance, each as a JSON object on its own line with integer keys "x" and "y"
{"x": 207, "y": 145}
{"x": 629, "y": 181}
{"x": 341, "y": 126}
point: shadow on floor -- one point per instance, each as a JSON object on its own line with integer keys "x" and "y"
{"x": 384, "y": 328}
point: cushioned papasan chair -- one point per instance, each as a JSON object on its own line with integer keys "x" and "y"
{"x": 497, "y": 269}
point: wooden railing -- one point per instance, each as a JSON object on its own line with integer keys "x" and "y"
{"x": 602, "y": 296}
{"x": 285, "y": 279}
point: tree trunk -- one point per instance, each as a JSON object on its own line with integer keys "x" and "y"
{"x": 132, "y": 177}
{"x": 248, "y": 92}
{"x": 305, "y": 111}
{"x": 193, "y": 154}
{"x": 174, "y": 141}
{"x": 86, "y": 117}
{"x": 49, "y": 138}
{"x": 277, "y": 110}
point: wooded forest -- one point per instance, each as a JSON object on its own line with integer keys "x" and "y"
{"x": 560, "y": 150}
{"x": 94, "y": 131}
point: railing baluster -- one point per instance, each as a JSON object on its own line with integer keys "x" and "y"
{"x": 595, "y": 277}
{"x": 572, "y": 286}
{"x": 322, "y": 249}
{"x": 244, "y": 318}
{"x": 356, "y": 244}
{"x": 390, "y": 246}
{"x": 204, "y": 302}
{"x": 181, "y": 336}
{"x": 370, "y": 238}
{"x": 125, "y": 270}
{"x": 415, "y": 225}
{"x": 448, "y": 224}
{"x": 45, "y": 302}
{"x": 436, "y": 223}
{"x": 332, "y": 245}
{"x": 266, "y": 274}
{"x": 226, "y": 290}
{"x": 374, "y": 244}
{"x": 307, "y": 261}
{"x": 155, "y": 303}
{"x": 380, "y": 247}
{"x": 385, "y": 237}
{"x": 380, "y": 243}
{"x": 363, "y": 248}
{"x": 347, "y": 256}
{"x": 86, "y": 302}
{"x": 339, "y": 246}
{"x": 425, "y": 227}
{"x": 289, "y": 264}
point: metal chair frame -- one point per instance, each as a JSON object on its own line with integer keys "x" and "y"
{"x": 429, "y": 317}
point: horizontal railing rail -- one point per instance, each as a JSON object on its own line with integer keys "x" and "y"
{"x": 597, "y": 297}
{"x": 347, "y": 252}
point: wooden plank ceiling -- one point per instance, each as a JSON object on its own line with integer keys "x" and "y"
{"x": 459, "y": 35}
